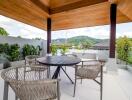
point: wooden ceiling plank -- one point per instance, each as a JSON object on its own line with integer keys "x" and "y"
{"x": 22, "y": 14}
{"x": 23, "y": 20}
{"x": 125, "y": 6}
{"x": 41, "y": 5}
{"x": 58, "y": 3}
{"x": 19, "y": 11}
{"x": 75, "y": 5}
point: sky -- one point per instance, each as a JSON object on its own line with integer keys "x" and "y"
{"x": 15, "y": 28}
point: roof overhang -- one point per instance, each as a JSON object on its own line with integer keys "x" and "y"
{"x": 65, "y": 14}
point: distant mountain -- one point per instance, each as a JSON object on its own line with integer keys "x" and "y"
{"x": 81, "y": 39}
{"x": 77, "y": 40}
{"x": 59, "y": 41}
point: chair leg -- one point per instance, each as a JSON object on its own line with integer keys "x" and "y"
{"x": 39, "y": 74}
{"x": 82, "y": 66}
{"x": 101, "y": 85}
{"x": 6, "y": 89}
{"x": 16, "y": 98}
{"x": 75, "y": 83}
{"x": 48, "y": 72}
{"x": 81, "y": 80}
{"x": 75, "y": 87}
{"x": 58, "y": 91}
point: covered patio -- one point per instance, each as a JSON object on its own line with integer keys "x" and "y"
{"x": 53, "y": 15}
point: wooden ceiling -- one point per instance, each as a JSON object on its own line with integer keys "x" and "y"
{"x": 65, "y": 14}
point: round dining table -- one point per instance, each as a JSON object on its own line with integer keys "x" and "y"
{"x": 59, "y": 62}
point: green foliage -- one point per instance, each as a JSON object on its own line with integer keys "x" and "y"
{"x": 11, "y": 52}
{"x": 86, "y": 45}
{"x": 37, "y": 38}
{"x": 3, "y": 32}
{"x": 33, "y": 50}
{"x": 54, "y": 49}
{"x": 26, "y": 50}
{"x": 82, "y": 40}
{"x": 63, "y": 49}
{"x": 38, "y": 49}
{"x": 4, "y": 56}
{"x": 14, "y": 52}
{"x": 19, "y": 36}
{"x": 4, "y": 48}
{"x": 130, "y": 59}
{"x": 30, "y": 50}
{"x": 123, "y": 48}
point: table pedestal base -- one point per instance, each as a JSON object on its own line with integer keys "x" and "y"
{"x": 56, "y": 73}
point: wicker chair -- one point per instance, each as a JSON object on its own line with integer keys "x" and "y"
{"x": 29, "y": 86}
{"x": 90, "y": 72}
{"x": 70, "y": 55}
{"x": 87, "y": 58}
{"x": 32, "y": 60}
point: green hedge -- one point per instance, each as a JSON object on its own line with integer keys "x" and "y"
{"x": 30, "y": 50}
{"x": 13, "y": 52}
{"x": 124, "y": 49}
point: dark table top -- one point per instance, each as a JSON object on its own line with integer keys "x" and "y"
{"x": 59, "y": 60}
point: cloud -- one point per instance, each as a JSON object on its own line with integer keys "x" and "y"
{"x": 15, "y": 28}
{"x": 4, "y": 19}
{"x": 26, "y": 33}
{"x": 100, "y": 32}
{"x": 128, "y": 34}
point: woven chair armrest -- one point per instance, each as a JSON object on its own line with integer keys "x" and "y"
{"x": 46, "y": 81}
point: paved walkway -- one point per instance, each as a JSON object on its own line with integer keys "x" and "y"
{"x": 116, "y": 87}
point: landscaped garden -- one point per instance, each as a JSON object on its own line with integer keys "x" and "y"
{"x": 124, "y": 49}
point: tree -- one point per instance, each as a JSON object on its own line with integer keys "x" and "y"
{"x": 54, "y": 49}
{"x": 123, "y": 48}
{"x": 64, "y": 49}
{"x": 19, "y": 36}
{"x": 3, "y": 32}
{"x": 86, "y": 45}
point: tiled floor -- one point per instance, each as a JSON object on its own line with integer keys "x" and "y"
{"x": 116, "y": 87}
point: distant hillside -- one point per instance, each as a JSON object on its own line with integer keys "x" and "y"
{"x": 81, "y": 39}
{"x": 77, "y": 40}
{"x": 59, "y": 41}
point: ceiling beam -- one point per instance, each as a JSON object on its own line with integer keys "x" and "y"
{"x": 75, "y": 5}
{"x": 41, "y": 5}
